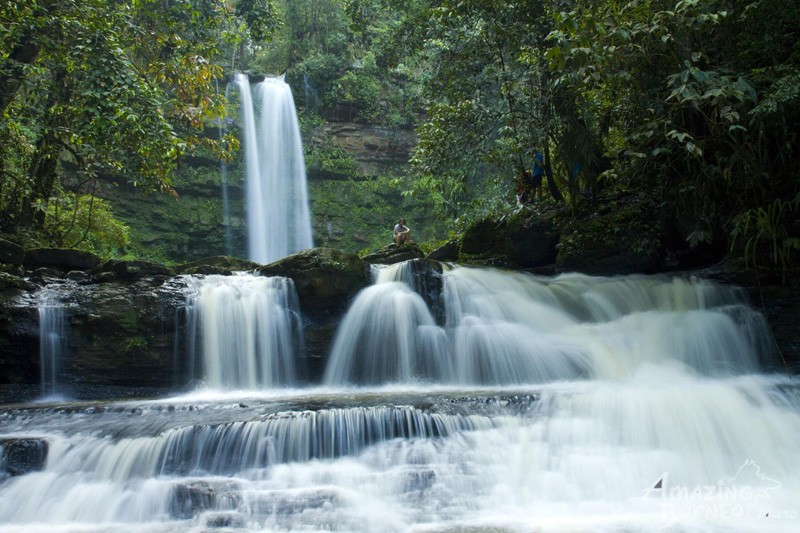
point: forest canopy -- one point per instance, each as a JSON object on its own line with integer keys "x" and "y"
{"x": 691, "y": 106}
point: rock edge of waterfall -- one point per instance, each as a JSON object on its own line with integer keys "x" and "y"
{"x": 127, "y": 318}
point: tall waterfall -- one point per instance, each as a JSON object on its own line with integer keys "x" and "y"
{"x": 53, "y": 338}
{"x": 529, "y": 403}
{"x": 245, "y": 331}
{"x": 278, "y": 217}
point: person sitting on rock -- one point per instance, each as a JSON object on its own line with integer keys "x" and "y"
{"x": 402, "y": 234}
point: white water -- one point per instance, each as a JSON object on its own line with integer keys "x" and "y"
{"x": 245, "y": 331}
{"x": 547, "y": 404}
{"x": 278, "y": 216}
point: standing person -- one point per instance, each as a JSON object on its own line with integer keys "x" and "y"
{"x": 402, "y": 234}
{"x": 538, "y": 174}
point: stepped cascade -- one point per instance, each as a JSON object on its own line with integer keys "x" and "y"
{"x": 473, "y": 399}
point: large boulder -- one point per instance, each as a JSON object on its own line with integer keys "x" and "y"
{"x": 64, "y": 259}
{"x": 326, "y": 280}
{"x": 525, "y": 240}
{"x": 323, "y": 277}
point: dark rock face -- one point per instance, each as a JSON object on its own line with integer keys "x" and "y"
{"x": 518, "y": 242}
{"x": 61, "y": 259}
{"x": 21, "y": 456}
{"x": 394, "y": 254}
{"x": 11, "y": 252}
{"x": 446, "y": 253}
{"x": 326, "y": 280}
{"x": 132, "y": 270}
{"x": 323, "y": 277}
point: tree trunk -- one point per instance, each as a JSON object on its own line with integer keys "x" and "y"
{"x": 548, "y": 172}
{"x": 13, "y": 67}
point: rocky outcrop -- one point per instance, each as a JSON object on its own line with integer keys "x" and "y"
{"x": 521, "y": 241}
{"x": 394, "y": 254}
{"x": 60, "y": 258}
{"x": 374, "y": 148}
{"x": 326, "y": 279}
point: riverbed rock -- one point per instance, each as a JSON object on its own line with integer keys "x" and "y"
{"x": 195, "y": 496}
{"x": 323, "y": 277}
{"x": 19, "y": 456}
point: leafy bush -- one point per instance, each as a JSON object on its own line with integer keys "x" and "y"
{"x": 86, "y": 223}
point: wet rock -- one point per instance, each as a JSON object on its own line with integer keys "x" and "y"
{"x": 323, "y": 277}
{"x": 63, "y": 259}
{"x": 10, "y": 281}
{"x": 21, "y": 456}
{"x": 193, "y": 497}
{"x": 207, "y": 270}
{"x": 326, "y": 280}
{"x": 393, "y": 254}
{"x": 77, "y": 275}
{"x": 225, "y": 520}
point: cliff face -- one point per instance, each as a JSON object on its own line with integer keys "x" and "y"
{"x": 355, "y": 191}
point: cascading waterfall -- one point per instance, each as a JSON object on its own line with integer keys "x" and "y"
{"x": 278, "y": 216}
{"x": 245, "y": 331}
{"x": 53, "y": 338}
{"x": 531, "y": 403}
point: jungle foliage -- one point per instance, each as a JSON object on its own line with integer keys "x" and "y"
{"x": 691, "y": 105}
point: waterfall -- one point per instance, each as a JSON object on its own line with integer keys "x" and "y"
{"x": 532, "y": 403}
{"x": 278, "y": 217}
{"x": 245, "y": 331}
{"x": 53, "y": 338}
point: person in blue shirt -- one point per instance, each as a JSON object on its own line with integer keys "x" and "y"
{"x": 538, "y": 173}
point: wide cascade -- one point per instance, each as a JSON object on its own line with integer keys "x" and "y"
{"x": 278, "y": 216}
{"x": 462, "y": 399}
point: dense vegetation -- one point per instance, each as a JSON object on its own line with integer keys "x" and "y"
{"x": 691, "y": 108}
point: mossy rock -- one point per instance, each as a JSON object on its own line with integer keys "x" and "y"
{"x": 393, "y": 254}
{"x": 525, "y": 240}
{"x": 130, "y": 270}
{"x": 625, "y": 236}
{"x": 221, "y": 262}
{"x": 323, "y": 277}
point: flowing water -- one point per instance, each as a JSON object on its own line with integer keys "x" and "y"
{"x": 278, "y": 216}
{"x": 53, "y": 341}
{"x": 528, "y": 404}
